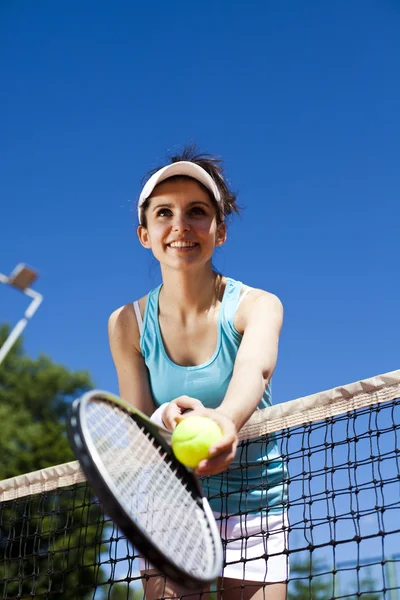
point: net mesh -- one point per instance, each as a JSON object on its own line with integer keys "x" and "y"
{"x": 342, "y": 456}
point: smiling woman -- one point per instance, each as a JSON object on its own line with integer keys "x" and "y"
{"x": 181, "y": 223}
{"x": 205, "y": 344}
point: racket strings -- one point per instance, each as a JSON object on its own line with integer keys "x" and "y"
{"x": 150, "y": 489}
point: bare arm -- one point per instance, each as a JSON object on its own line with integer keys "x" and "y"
{"x": 133, "y": 379}
{"x": 260, "y": 318}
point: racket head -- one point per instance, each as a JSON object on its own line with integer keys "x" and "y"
{"x": 155, "y": 501}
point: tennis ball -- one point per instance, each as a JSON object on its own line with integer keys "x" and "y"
{"x": 192, "y": 439}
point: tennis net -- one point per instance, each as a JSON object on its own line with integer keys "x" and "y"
{"x": 341, "y": 454}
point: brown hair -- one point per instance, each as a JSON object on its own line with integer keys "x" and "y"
{"x": 213, "y": 166}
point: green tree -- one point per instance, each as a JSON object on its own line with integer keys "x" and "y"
{"x": 306, "y": 584}
{"x": 123, "y": 591}
{"x": 48, "y": 542}
{"x": 309, "y": 580}
{"x": 34, "y": 399}
{"x": 366, "y": 586}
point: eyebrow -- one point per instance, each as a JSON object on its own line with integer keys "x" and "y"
{"x": 170, "y": 204}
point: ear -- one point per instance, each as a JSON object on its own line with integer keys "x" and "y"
{"x": 143, "y": 236}
{"x": 221, "y": 234}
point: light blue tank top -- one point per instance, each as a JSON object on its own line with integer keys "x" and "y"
{"x": 258, "y": 486}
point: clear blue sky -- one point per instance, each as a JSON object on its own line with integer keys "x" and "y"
{"x": 302, "y": 101}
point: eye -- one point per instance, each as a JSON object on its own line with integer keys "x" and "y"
{"x": 164, "y": 212}
{"x": 197, "y": 210}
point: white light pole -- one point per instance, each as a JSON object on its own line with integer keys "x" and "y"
{"x": 21, "y": 279}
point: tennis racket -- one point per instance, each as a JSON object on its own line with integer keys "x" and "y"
{"x": 153, "y": 498}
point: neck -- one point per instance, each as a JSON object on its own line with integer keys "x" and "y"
{"x": 190, "y": 293}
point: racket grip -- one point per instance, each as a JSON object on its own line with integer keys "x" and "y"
{"x": 156, "y": 417}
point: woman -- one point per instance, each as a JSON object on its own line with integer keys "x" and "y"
{"x": 205, "y": 342}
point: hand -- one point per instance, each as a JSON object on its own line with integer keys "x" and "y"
{"x": 176, "y": 408}
{"x": 222, "y": 452}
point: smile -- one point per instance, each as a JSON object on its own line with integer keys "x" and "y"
{"x": 182, "y": 244}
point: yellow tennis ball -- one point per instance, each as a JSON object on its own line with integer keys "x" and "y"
{"x": 192, "y": 439}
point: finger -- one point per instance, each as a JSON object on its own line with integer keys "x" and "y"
{"x": 224, "y": 444}
{"x": 215, "y": 465}
{"x": 170, "y": 416}
{"x": 225, "y": 455}
{"x": 188, "y": 402}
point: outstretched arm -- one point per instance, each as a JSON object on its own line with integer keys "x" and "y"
{"x": 260, "y": 317}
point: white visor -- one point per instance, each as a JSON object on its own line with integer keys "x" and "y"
{"x": 182, "y": 167}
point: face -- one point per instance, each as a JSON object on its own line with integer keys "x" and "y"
{"x": 182, "y": 228}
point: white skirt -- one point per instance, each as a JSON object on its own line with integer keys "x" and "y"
{"x": 254, "y": 547}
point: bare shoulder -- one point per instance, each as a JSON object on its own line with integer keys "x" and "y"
{"x": 123, "y": 329}
{"x": 254, "y": 295}
{"x": 257, "y": 303}
{"x": 124, "y": 339}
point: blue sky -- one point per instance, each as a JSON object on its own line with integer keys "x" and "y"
{"x": 301, "y": 99}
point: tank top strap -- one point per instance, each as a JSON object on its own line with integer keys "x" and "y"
{"x": 139, "y": 319}
{"x": 150, "y": 320}
{"x": 231, "y": 301}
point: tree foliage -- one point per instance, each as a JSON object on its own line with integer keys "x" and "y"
{"x": 122, "y": 591}
{"x": 49, "y": 542}
{"x": 311, "y": 580}
{"x": 305, "y": 584}
{"x": 34, "y": 398}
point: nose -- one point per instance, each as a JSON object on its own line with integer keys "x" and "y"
{"x": 180, "y": 222}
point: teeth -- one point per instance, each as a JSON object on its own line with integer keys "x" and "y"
{"x": 182, "y": 244}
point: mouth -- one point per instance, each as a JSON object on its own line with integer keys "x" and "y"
{"x": 183, "y": 246}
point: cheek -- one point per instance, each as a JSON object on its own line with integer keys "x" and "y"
{"x": 156, "y": 232}
{"x": 208, "y": 228}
